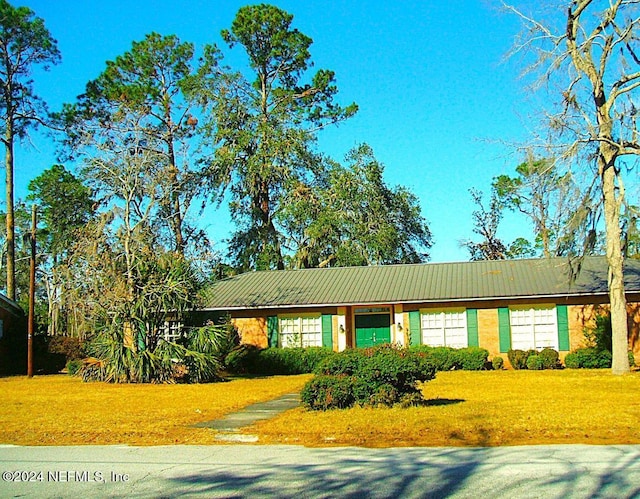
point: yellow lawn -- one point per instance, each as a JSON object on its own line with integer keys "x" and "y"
{"x": 483, "y": 409}
{"x": 61, "y": 410}
{"x": 465, "y": 408}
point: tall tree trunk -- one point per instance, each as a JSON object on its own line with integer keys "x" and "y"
{"x": 175, "y": 214}
{"x": 617, "y": 299}
{"x": 11, "y": 248}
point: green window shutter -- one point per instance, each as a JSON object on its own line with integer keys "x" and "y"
{"x": 272, "y": 331}
{"x": 504, "y": 328}
{"x": 327, "y": 331}
{"x": 415, "y": 328}
{"x": 472, "y": 327}
{"x": 563, "y": 327}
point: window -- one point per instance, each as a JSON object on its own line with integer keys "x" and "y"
{"x": 300, "y": 331}
{"x": 172, "y": 330}
{"x": 444, "y": 328}
{"x": 534, "y": 328}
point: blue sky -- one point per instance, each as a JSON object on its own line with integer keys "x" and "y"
{"x": 437, "y": 105}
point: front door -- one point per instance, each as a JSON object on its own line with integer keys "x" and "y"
{"x": 372, "y": 329}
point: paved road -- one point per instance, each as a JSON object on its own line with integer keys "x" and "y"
{"x": 292, "y": 471}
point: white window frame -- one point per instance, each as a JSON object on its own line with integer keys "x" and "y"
{"x": 534, "y": 327}
{"x": 444, "y": 327}
{"x": 300, "y": 330}
{"x": 172, "y": 330}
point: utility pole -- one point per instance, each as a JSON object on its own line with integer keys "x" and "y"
{"x": 32, "y": 293}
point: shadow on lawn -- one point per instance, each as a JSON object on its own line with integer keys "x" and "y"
{"x": 412, "y": 472}
{"x": 441, "y": 402}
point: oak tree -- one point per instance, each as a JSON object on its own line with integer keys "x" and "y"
{"x": 588, "y": 51}
{"x": 350, "y": 216}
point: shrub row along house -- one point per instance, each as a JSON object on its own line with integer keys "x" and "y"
{"x": 497, "y": 305}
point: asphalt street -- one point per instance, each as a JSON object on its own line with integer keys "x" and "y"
{"x": 565, "y": 471}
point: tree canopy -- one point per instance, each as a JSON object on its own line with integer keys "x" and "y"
{"x": 266, "y": 129}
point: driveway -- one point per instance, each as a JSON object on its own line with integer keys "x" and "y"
{"x": 292, "y": 471}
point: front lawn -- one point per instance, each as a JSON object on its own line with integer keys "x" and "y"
{"x": 486, "y": 408}
{"x": 464, "y": 409}
{"x": 61, "y": 410}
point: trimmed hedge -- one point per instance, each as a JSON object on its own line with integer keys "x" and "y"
{"x": 497, "y": 363}
{"x": 383, "y": 375}
{"x": 449, "y": 359}
{"x": 518, "y": 358}
{"x": 547, "y": 358}
{"x": 592, "y": 358}
{"x": 252, "y": 360}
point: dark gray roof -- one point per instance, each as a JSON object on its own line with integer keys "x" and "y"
{"x": 419, "y": 283}
{"x": 10, "y": 305}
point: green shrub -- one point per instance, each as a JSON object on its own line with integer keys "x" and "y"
{"x": 442, "y": 358}
{"x": 384, "y": 395}
{"x": 588, "y": 358}
{"x": 600, "y": 336}
{"x": 549, "y": 359}
{"x": 397, "y": 368}
{"x": 383, "y": 375}
{"x": 228, "y": 343}
{"x": 315, "y": 356}
{"x": 328, "y": 392}
{"x": 597, "y": 354}
{"x": 472, "y": 358}
{"x": 592, "y": 358}
{"x": 518, "y": 358}
{"x": 238, "y": 359}
{"x": 74, "y": 366}
{"x": 449, "y": 359}
{"x": 497, "y": 363}
{"x": 534, "y": 363}
{"x": 271, "y": 361}
{"x": 346, "y": 363}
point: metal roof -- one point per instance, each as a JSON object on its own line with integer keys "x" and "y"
{"x": 10, "y": 305}
{"x": 416, "y": 283}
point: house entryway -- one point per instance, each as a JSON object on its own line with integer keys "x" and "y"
{"x": 372, "y": 329}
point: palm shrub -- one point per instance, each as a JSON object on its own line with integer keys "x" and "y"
{"x": 193, "y": 358}
{"x": 128, "y": 343}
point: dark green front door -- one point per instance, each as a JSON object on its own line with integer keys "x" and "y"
{"x": 372, "y": 330}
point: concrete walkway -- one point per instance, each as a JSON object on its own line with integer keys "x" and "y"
{"x": 230, "y": 426}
